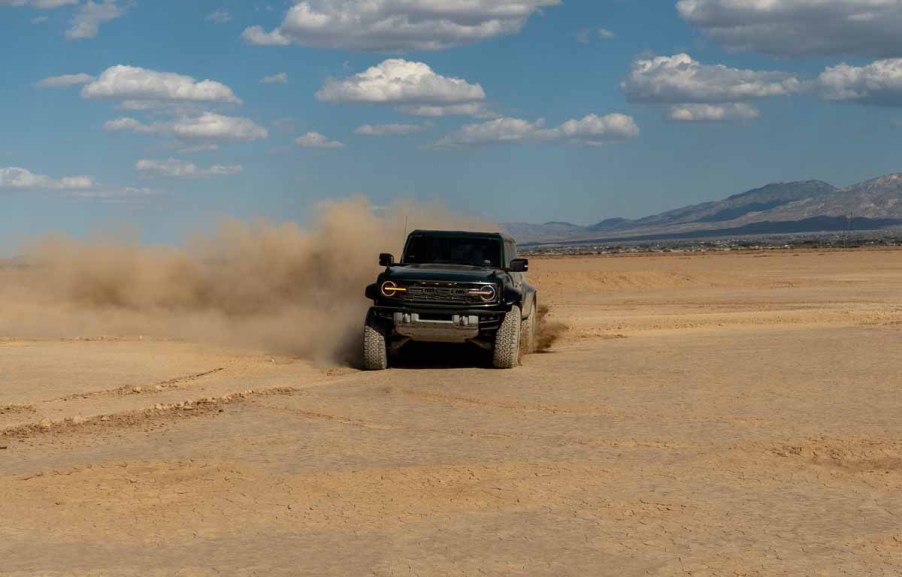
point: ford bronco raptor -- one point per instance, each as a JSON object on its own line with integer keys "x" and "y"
{"x": 452, "y": 287}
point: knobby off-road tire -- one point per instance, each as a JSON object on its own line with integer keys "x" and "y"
{"x": 528, "y": 332}
{"x": 375, "y": 351}
{"x": 506, "y": 353}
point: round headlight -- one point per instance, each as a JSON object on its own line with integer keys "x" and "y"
{"x": 487, "y": 293}
{"x": 391, "y": 289}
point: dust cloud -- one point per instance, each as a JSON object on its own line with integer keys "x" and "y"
{"x": 282, "y": 288}
{"x": 548, "y": 331}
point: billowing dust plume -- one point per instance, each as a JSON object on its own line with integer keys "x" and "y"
{"x": 548, "y": 331}
{"x": 281, "y": 288}
{"x": 277, "y": 287}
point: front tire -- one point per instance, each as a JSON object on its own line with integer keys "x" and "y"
{"x": 506, "y": 352}
{"x": 375, "y": 350}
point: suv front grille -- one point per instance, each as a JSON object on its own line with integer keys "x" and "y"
{"x": 456, "y": 293}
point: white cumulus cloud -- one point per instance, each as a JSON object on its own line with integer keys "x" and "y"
{"x": 397, "y": 25}
{"x": 878, "y": 83}
{"x": 256, "y": 35}
{"x": 90, "y": 15}
{"x": 704, "y": 92}
{"x": 397, "y": 81}
{"x": 211, "y": 126}
{"x": 586, "y": 35}
{"x": 477, "y": 109}
{"x": 83, "y": 187}
{"x": 130, "y": 125}
{"x": 65, "y": 80}
{"x": 712, "y": 112}
{"x": 180, "y": 97}
{"x": 794, "y": 28}
{"x": 208, "y": 127}
{"x": 679, "y": 78}
{"x": 135, "y": 84}
{"x": 280, "y": 78}
{"x": 317, "y": 140}
{"x": 13, "y": 177}
{"x": 411, "y": 86}
{"x": 176, "y": 168}
{"x": 503, "y": 129}
{"x": 595, "y": 130}
{"x": 389, "y": 129}
{"x": 591, "y": 130}
{"x": 219, "y": 16}
{"x": 40, "y": 4}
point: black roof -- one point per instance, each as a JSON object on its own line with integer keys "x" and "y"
{"x": 462, "y": 233}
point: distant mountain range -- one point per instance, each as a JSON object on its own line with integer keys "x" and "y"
{"x": 782, "y": 208}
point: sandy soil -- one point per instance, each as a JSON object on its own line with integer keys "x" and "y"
{"x": 728, "y": 415}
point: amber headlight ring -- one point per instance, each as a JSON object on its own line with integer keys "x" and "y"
{"x": 487, "y": 293}
{"x": 391, "y": 289}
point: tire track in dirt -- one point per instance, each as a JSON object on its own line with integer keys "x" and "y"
{"x": 138, "y": 389}
{"x": 853, "y": 455}
{"x": 127, "y": 419}
{"x": 16, "y": 409}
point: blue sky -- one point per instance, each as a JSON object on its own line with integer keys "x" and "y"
{"x": 152, "y": 117}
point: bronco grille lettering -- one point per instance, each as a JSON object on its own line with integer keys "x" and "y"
{"x": 457, "y": 293}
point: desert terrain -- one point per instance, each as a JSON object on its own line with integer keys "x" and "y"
{"x": 709, "y": 415}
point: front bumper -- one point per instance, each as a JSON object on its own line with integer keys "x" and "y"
{"x": 435, "y": 324}
{"x": 459, "y": 329}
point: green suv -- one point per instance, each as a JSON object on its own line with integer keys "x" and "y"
{"x": 452, "y": 287}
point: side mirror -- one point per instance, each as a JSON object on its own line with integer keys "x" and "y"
{"x": 519, "y": 265}
{"x": 386, "y": 259}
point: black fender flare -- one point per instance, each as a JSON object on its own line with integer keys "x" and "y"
{"x": 524, "y": 297}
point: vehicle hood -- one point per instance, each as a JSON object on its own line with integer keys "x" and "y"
{"x": 442, "y": 273}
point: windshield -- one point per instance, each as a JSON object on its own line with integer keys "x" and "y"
{"x": 482, "y": 252}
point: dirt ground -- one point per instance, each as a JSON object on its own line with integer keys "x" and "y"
{"x": 721, "y": 414}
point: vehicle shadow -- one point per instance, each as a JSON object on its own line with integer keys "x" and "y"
{"x": 441, "y": 356}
